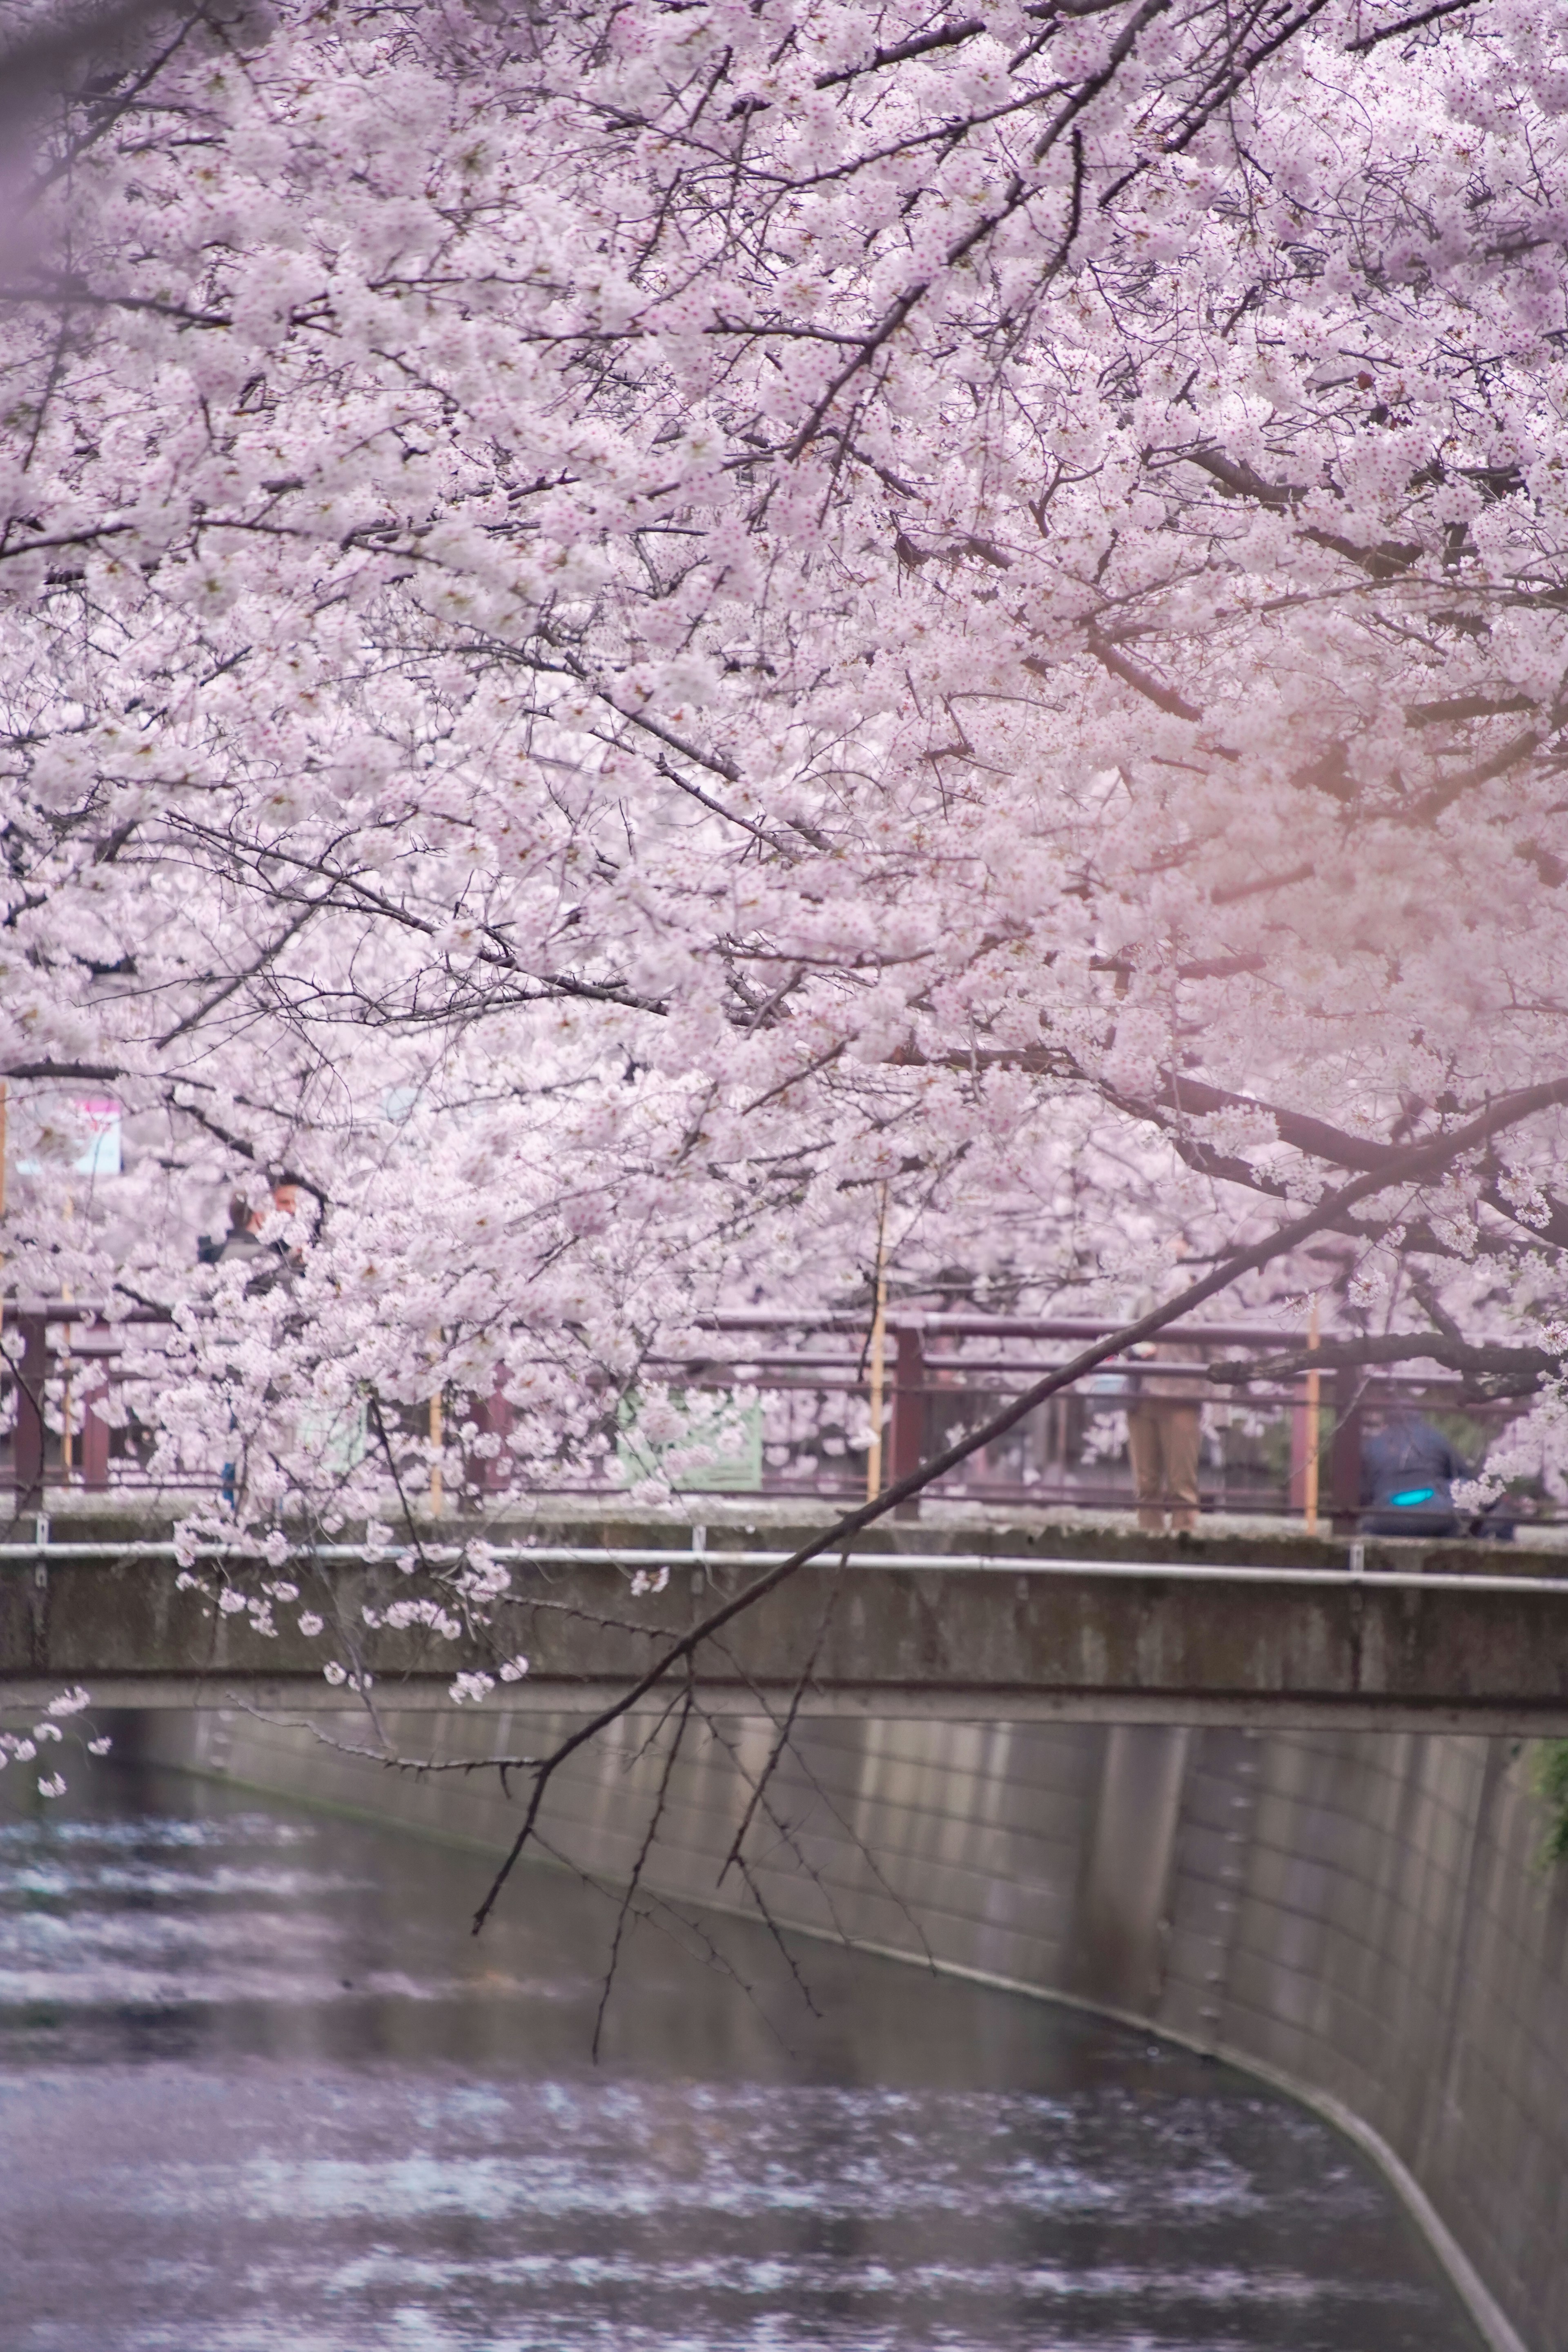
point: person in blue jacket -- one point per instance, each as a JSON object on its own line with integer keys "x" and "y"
{"x": 1407, "y": 1473}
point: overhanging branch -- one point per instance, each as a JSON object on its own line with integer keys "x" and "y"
{"x": 1494, "y": 1371}
{"x": 1410, "y": 1164}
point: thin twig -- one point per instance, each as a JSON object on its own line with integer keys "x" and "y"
{"x": 629, "y": 1897}
{"x": 782, "y": 1739}
{"x": 826, "y": 1797}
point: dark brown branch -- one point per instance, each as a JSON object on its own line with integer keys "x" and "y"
{"x": 825, "y": 1798}
{"x": 629, "y": 1897}
{"x": 1231, "y": 898}
{"x": 1241, "y": 482}
{"x": 783, "y": 1735}
{"x": 1523, "y": 1369}
{"x": 1465, "y": 706}
{"x": 238, "y": 980}
{"x": 1019, "y": 192}
{"x": 1304, "y": 1133}
{"x": 1407, "y": 25}
{"x": 649, "y": 1913}
{"x": 781, "y": 1827}
{"x": 1552, "y": 1229}
{"x": 1164, "y": 697}
{"x": 1433, "y": 803}
{"x": 944, "y": 37}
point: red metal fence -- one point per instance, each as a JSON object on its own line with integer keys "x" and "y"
{"x": 808, "y": 1382}
{"x": 948, "y": 1372}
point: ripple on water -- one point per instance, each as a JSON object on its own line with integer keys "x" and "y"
{"x": 260, "y": 2092}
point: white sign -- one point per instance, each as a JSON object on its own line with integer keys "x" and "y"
{"x": 100, "y": 1119}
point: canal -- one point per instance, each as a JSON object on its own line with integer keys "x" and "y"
{"x": 261, "y": 2091}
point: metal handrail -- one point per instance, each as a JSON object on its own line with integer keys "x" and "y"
{"x": 635, "y": 1557}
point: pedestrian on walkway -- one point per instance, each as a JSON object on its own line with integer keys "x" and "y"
{"x": 1408, "y": 1468}
{"x": 274, "y": 1261}
{"x": 1164, "y": 1428}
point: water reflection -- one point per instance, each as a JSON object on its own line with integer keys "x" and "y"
{"x": 258, "y": 2088}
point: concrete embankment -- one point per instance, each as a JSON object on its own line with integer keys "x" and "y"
{"x": 1357, "y": 1915}
{"x": 1008, "y": 1624}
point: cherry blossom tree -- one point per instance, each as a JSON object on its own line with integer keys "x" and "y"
{"x": 640, "y": 641}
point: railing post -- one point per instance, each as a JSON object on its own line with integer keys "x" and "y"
{"x": 498, "y": 1420}
{"x": 493, "y": 1417}
{"x": 1298, "y": 1491}
{"x": 27, "y": 1439}
{"x": 94, "y": 1438}
{"x": 907, "y": 1435}
{"x": 1308, "y": 1427}
{"x": 1345, "y": 1453}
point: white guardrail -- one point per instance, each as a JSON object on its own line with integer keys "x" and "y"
{"x": 1354, "y": 1573}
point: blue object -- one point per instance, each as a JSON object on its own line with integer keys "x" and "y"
{"x": 1408, "y": 1469}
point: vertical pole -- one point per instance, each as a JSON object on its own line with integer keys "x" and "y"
{"x": 66, "y": 1447}
{"x": 878, "y": 1356}
{"x": 4, "y": 1103}
{"x": 1345, "y": 1453}
{"x": 878, "y": 1371}
{"x": 494, "y": 1415}
{"x": 32, "y": 1372}
{"x": 94, "y": 1437}
{"x": 908, "y": 1432}
{"x": 1315, "y": 1426}
{"x": 437, "y": 1434}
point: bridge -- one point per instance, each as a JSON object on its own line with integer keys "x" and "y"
{"x": 959, "y": 1623}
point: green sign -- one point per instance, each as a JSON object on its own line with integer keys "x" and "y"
{"x": 700, "y": 1440}
{"x": 333, "y": 1435}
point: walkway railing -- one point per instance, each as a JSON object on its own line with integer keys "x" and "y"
{"x": 796, "y": 1394}
{"x": 948, "y": 1372}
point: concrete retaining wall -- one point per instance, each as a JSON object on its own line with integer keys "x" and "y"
{"x": 1357, "y": 1915}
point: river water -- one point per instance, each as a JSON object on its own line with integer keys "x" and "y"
{"x": 261, "y": 2091}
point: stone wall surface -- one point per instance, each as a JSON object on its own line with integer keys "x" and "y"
{"x": 1064, "y": 1624}
{"x": 1358, "y": 1915}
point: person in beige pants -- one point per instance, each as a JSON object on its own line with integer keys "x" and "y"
{"x": 1163, "y": 1427}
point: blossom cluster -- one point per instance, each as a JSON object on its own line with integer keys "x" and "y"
{"x": 659, "y": 647}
